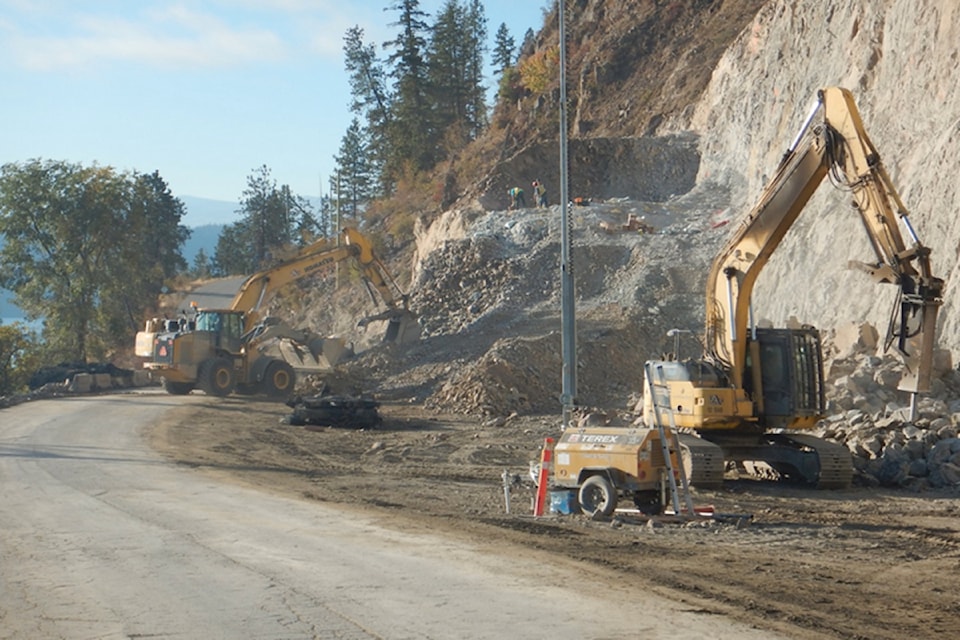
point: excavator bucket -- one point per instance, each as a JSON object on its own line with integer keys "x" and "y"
{"x": 330, "y": 351}
{"x": 402, "y": 328}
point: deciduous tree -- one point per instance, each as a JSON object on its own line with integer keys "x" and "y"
{"x": 87, "y": 250}
{"x": 18, "y": 357}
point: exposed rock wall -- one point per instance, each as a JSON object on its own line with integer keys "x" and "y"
{"x": 646, "y": 168}
{"x": 900, "y": 59}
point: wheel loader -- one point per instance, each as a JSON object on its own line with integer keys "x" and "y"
{"x": 220, "y": 351}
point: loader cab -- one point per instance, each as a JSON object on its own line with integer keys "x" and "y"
{"x": 225, "y": 325}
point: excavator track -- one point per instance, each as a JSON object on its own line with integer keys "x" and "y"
{"x": 836, "y": 464}
{"x": 792, "y": 456}
{"x": 702, "y": 461}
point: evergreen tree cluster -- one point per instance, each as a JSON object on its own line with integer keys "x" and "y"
{"x": 421, "y": 103}
{"x": 272, "y": 220}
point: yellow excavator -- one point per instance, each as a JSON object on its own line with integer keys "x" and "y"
{"x": 756, "y": 390}
{"x": 242, "y": 349}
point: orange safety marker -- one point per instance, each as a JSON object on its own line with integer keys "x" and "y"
{"x": 543, "y": 478}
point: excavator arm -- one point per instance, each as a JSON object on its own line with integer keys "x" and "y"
{"x": 259, "y": 288}
{"x": 840, "y": 147}
{"x": 375, "y": 274}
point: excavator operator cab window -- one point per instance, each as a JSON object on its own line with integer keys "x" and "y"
{"x": 697, "y": 372}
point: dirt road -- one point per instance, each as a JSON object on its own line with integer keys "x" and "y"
{"x": 103, "y": 538}
{"x": 860, "y": 563}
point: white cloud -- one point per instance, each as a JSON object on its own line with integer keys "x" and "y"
{"x": 170, "y": 37}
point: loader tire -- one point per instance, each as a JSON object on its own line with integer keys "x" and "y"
{"x": 597, "y": 496}
{"x": 216, "y": 377}
{"x": 177, "y": 388}
{"x": 279, "y": 379}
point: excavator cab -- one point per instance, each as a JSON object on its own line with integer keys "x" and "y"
{"x": 784, "y": 377}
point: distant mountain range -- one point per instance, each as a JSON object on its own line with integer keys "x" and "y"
{"x": 204, "y": 211}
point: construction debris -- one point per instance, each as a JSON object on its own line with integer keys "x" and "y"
{"x": 490, "y": 296}
{"x": 347, "y": 412}
{"x": 633, "y": 224}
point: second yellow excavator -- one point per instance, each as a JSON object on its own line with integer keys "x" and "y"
{"x": 755, "y": 393}
{"x": 220, "y": 351}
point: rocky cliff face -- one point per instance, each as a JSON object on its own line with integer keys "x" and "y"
{"x": 736, "y": 79}
{"x": 899, "y": 58}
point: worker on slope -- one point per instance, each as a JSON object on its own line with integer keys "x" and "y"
{"x": 516, "y": 198}
{"x": 539, "y": 194}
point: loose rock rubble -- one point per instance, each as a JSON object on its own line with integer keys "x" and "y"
{"x": 489, "y": 304}
{"x": 873, "y": 419}
{"x": 77, "y": 378}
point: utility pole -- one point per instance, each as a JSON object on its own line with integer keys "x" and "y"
{"x": 337, "y": 226}
{"x": 567, "y": 306}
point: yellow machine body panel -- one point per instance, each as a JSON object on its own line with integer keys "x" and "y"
{"x": 700, "y": 408}
{"x": 632, "y": 457}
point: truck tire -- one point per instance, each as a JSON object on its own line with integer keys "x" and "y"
{"x": 597, "y": 496}
{"x": 279, "y": 379}
{"x": 177, "y": 388}
{"x": 216, "y": 377}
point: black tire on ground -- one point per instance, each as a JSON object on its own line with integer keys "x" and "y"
{"x": 216, "y": 377}
{"x": 279, "y": 379}
{"x": 177, "y": 388}
{"x": 597, "y": 496}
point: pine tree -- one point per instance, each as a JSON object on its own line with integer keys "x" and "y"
{"x": 476, "y": 36}
{"x": 412, "y": 132}
{"x": 503, "y": 49}
{"x": 201, "y": 265}
{"x": 370, "y": 99}
{"x": 272, "y": 220}
{"x": 447, "y": 69}
{"x": 456, "y": 72}
{"x": 355, "y": 171}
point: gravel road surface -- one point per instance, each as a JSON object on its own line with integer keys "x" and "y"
{"x": 102, "y": 538}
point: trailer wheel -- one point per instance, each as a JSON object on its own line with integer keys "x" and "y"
{"x": 177, "y": 388}
{"x": 597, "y": 496}
{"x": 279, "y": 379}
{"x": 216, "y": 377}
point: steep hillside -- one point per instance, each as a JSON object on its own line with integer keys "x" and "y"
{"x": 899, "y": 57}
{"x": 670, "y": 68}
{"x": 486, "y": 281}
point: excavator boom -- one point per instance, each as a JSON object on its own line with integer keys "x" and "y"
{"x": 259, "y": 288}
{"x": 222, "y": 350}
{"x": 838, "y": 146}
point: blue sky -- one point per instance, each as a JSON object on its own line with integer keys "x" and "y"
{"x": 203, "y": 91}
